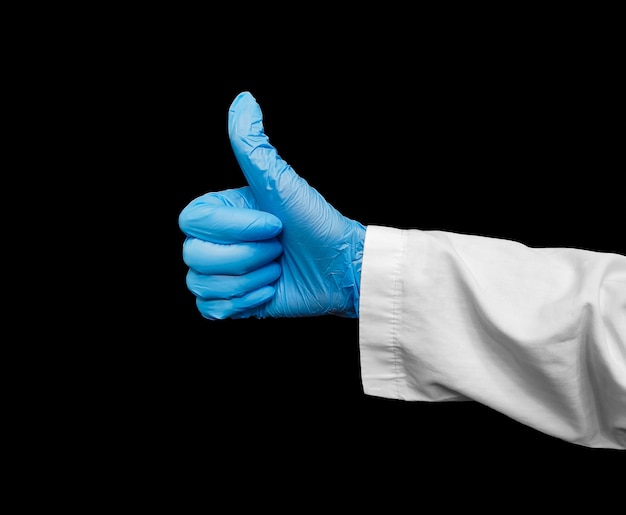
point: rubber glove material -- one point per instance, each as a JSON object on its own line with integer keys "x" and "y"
{"x": 274, "y": 248}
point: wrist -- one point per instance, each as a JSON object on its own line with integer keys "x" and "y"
{"x": 352, "y": 279}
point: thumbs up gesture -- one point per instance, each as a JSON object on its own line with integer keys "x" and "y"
{"x": 273, "y": 248}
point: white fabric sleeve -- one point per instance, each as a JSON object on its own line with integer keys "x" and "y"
{"x": 538, "y": 334}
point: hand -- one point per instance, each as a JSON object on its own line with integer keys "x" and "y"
{"x": 274, "y": 248}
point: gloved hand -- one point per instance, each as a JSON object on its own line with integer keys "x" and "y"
{"x": 274, "y": 248}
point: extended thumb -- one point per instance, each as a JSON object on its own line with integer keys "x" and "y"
{"x": 270, "y": 178}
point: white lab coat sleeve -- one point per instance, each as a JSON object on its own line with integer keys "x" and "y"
{"x": 538, "y": 334}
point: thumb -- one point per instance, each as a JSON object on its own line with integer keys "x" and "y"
{"x": 270, "y": 178}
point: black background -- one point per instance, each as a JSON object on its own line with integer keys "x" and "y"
{"x": 500, "y": 130}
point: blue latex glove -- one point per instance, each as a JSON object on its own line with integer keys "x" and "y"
{"x": 274, "y": 248}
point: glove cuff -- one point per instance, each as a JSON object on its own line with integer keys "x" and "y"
{"x": 352, "y": 279}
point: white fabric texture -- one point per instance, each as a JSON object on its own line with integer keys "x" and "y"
{"x": 538, "y": 334}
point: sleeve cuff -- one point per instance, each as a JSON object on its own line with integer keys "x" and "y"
{"x": 380, "y": 311}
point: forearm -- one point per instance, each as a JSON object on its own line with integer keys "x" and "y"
{"x": 537, "y": 334}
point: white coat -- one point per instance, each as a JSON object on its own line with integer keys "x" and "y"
{"x": 538, "y": 334}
